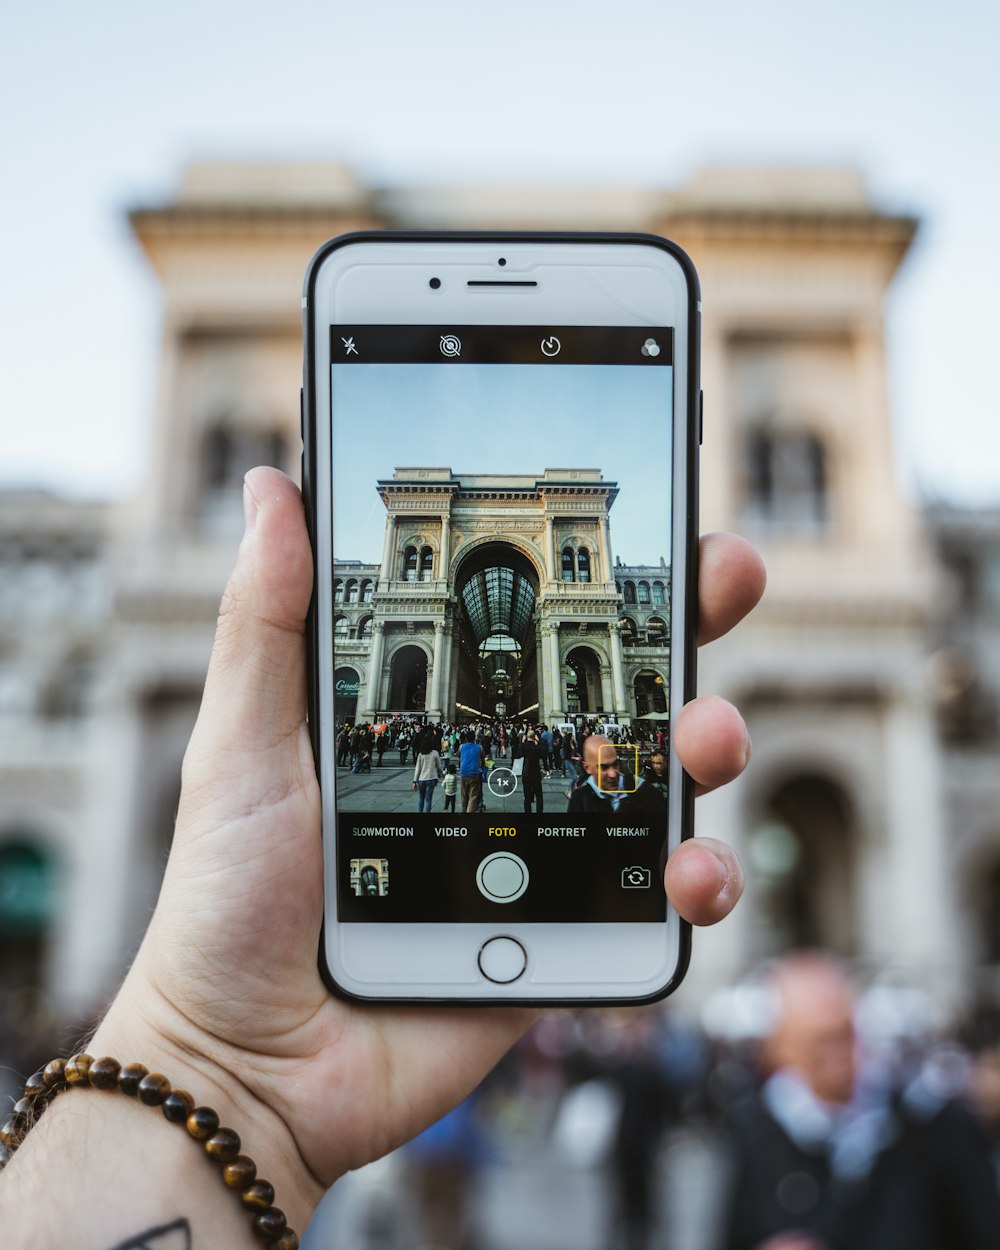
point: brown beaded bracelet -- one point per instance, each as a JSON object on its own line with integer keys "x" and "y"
{"x": 222, "y": 1145}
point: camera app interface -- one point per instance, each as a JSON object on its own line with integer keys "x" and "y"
{"x": 501, "y": 631}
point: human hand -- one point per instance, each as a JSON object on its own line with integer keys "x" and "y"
{"x": 226, "y": 988}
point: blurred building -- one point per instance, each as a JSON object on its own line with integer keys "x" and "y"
{"x": 967, "y": 675}
{"x": 57, "y": 564}
{"x": 842, "y": 817}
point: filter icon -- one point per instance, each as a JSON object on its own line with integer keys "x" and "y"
{"x": 651, "y": 348}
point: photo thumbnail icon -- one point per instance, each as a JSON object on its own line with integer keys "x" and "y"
{"x": 370, "y": 878}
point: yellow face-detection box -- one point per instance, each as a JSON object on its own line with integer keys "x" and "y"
{"x": 611, "y": 762}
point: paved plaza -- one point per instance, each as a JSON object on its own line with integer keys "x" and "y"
{"x": 390, "y": 789}
{"x": 529, "y": 1197}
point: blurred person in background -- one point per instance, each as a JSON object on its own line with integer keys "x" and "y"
{"x": 983, "y": 1040}
{"x": 442, "y": 1165}
{"x": 825, "y": 1160}
{"x": 646, "y": 1110}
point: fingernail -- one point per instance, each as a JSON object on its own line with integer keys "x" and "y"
{"x": 747, "y": 751}
{"x": 249, "y": 508}
{"x": 724, "y": 871}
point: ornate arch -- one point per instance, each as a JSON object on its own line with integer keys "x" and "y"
{"x": 845, "y": 761}
{"x": 574, "y": 642}
{"x": 396, "y": 642}
{"x": 519, "y": 544}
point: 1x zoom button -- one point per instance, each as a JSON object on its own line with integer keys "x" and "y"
{"x": 502, "y": 877}
{"x": 502, "y": 782}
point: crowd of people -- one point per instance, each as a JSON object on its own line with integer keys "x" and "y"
{"x": 591, "y": 757}
{"x": 827, "y": 1124}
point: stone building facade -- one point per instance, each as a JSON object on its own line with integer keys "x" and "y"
{"x": 56, "y": 596}
{"x": 843, "y": 818}
{"x": 495, "y": 591}
{"x": 966, "y": 675}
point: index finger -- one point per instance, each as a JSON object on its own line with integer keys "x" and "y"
{"x": 731, "y": 579}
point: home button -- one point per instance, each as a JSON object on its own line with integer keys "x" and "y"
{"x": 502, "y": 960}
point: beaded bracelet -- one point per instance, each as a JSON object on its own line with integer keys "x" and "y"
{"x": 222, "y": 1145}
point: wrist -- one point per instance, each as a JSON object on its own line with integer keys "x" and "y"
{"x": 142, "y": 1026}
{"x": 106, "y": 1149}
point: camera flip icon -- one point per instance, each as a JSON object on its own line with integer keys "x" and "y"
{"x": 636, "y": 878}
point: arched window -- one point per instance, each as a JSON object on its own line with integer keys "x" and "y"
{"x": 628, "y": 632}
{"x": 656, "y": 632}
{"x": 410, "y": 564}
{"x": 630, "y": 592}
{"x": 805, "y": 856}
{"x": 568, "y": 570}
{"x": 658, "y": 596}
{"x": 650, "y": 694}
{"x": 365, "y": 628}
{"x": 618, "y": 587}
{"x": 644, "y": 594}
{"x": 367, "y": 589}
{"x": 338, "y": 591}
{"x": 352, "y": 591}
{"x": 786, "y": 481}
{"x": 341, "y": 627}
{"x": 583, "y": 565}
{"x": 426, "y": 564}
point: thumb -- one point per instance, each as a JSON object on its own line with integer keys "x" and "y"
{"x": 255, "y": 692}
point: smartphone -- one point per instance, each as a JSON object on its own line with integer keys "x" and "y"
{"x": 500, "y": 469}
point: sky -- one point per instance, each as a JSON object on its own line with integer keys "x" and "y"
{"x": 104, "y": 103}
{"x": 503, "y": 419}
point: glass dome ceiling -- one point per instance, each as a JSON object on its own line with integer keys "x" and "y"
{"x": 499, "y": 600}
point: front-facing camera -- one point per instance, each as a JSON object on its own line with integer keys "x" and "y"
{"x": 434, "y": 283}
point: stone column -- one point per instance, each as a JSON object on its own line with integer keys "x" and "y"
{"x": 544, "y": 677}
{"x": 556, "y": 684}
{"x": 445, "y": 543}
{"x": 368, "y": 705}
{"x": 618, "y": 671}
{"x": 445, "y": 690}
{"x": 99, "y": 912}
{"x": 607, "y": 699}
{"x": 918, "y": 907}
{"x": 550, "y": 558}
{"x": 434, "y": 694}
{"x": 609, "y": 563}
{"x": 388, "y": 549}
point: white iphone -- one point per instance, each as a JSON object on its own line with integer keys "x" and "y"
{"x": 500, "y": 469}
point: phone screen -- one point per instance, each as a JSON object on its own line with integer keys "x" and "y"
{"x": 501, "y": 586}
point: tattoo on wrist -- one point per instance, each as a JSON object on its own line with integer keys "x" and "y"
{"x": 175, "y": 1236}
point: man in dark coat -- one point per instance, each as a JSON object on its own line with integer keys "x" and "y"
{"x": 824, "y": 1163}
{"x": 531, "y": 776}
{"x": 610, "y": 790}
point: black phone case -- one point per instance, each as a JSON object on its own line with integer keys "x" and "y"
{"x": 694, "y": 417}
